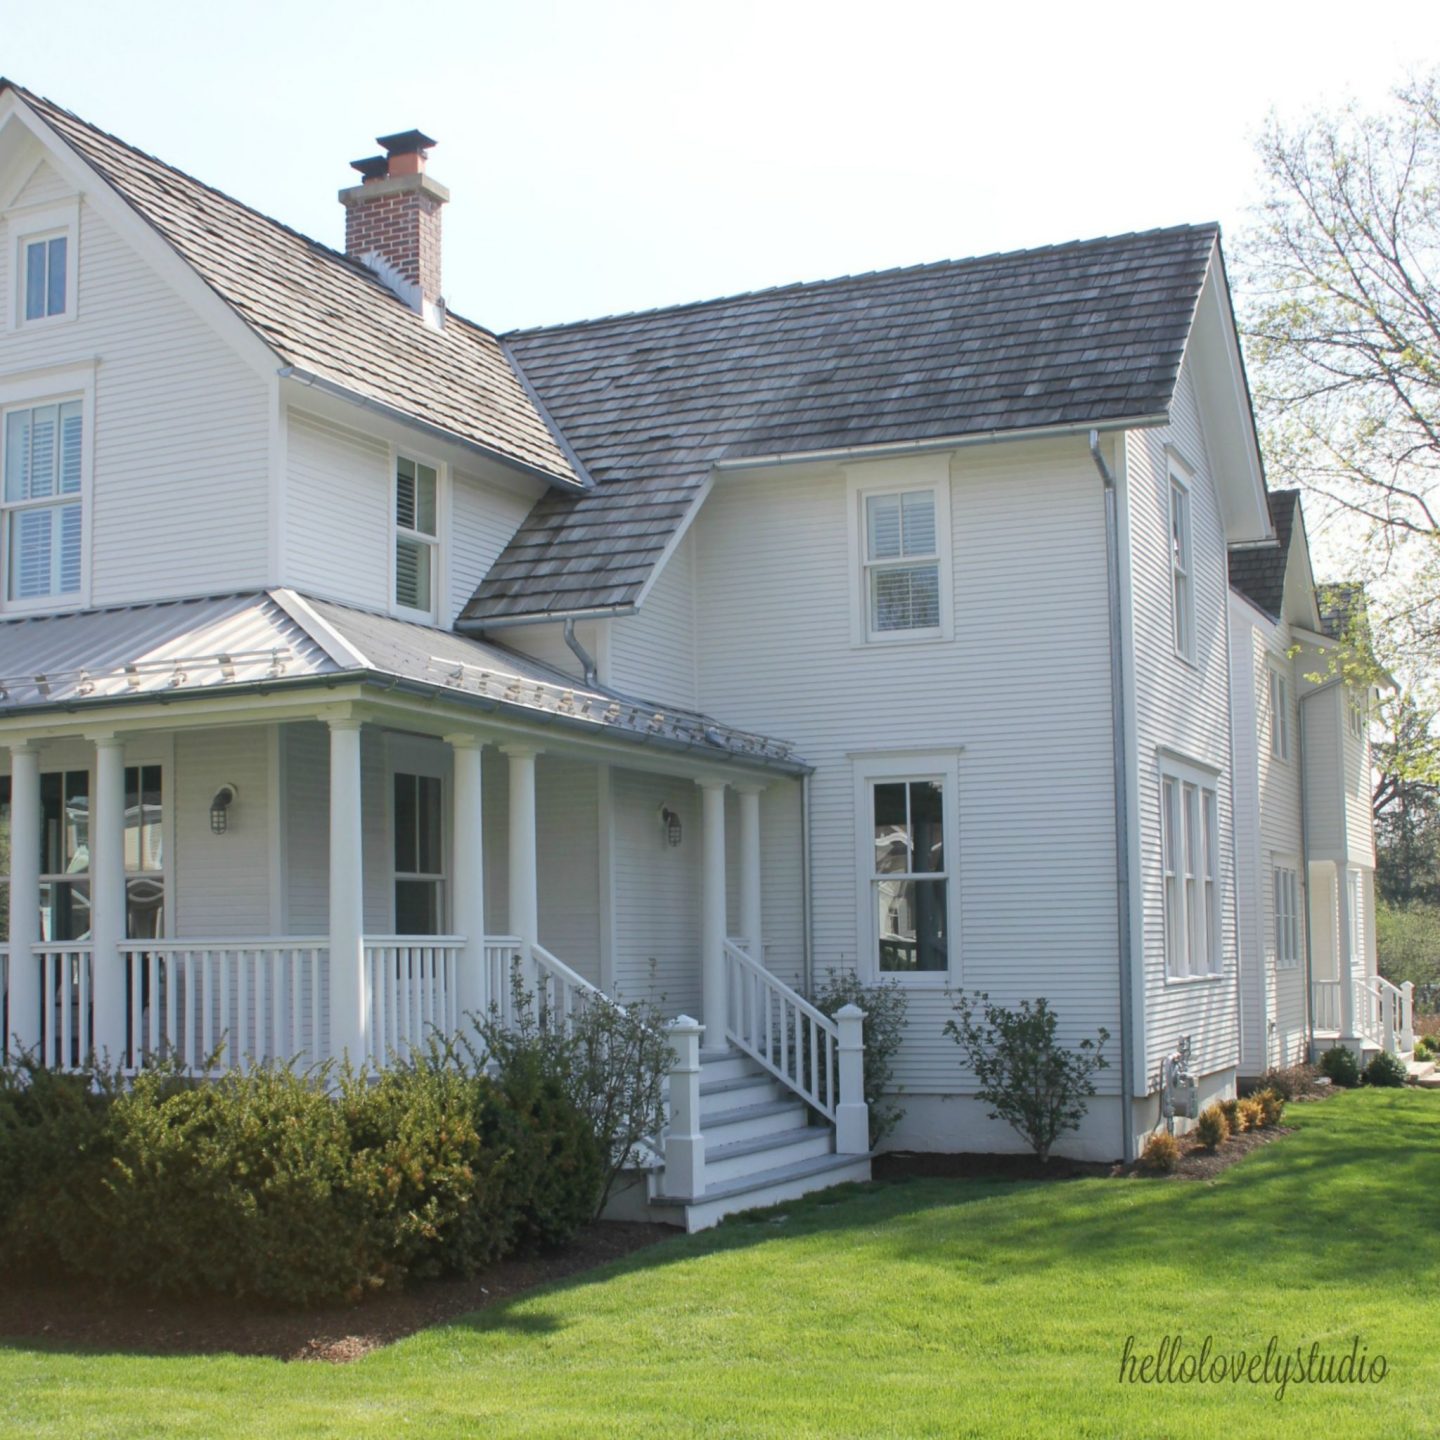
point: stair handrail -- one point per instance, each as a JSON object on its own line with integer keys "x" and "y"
{"x": 781, "y": 1030}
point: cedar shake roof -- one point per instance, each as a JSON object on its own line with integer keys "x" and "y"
{"x": 1072, "y": 334}
{"x": 1258, "y": 571}
{"x": 323, "y": 313}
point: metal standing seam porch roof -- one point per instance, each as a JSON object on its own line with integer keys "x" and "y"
{"x": 276, "y": 638}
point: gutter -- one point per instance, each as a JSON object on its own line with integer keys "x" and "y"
{"x": 437, "y": 432}
{"x": 484, "y": 626}
{"x": 1121, "y": 771}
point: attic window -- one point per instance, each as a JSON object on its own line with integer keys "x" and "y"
{"x": 45, "y": 277}
{"x": 44, "y": 266}
{"x": 417, "y": 540}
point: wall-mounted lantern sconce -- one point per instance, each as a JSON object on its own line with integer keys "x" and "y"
{"x": 225, "y": 797}
{"x": 670, "y": 825}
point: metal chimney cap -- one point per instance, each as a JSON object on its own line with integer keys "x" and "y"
{"x": 407, "y": 142}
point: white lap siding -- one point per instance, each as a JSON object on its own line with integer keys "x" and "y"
{"x": 1021, "y": 692}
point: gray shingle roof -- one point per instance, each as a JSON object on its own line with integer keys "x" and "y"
{"x": 323, "y": 313}
{"x": 1342, "y": 609}
{"x": 1090, "y": 331}
{"x": 1258, "y": 571}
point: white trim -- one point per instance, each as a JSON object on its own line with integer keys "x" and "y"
{"x": 324, "y": 634}
{"x": 1182, "y": 562}
{"x": 1194, "y": 886}
{"x": 27, "y": 225}
{"x": 437, "y": 543}
{"x": 1285, "y": 863}
{"x": 1277, "y": 711}
{"x": 879, "y": 767}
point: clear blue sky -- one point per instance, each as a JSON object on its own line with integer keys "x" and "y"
{"x": 606, "y": 157}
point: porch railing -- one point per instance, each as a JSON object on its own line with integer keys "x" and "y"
{"x": 1325, "y": 1005}
{"x": 414, "y": 992}
{"x": 771, "y": 1023}
{"x": 1384, "y": 1013}
{"x": 219, "y": 1004}
{"x": 67, "y": 1012}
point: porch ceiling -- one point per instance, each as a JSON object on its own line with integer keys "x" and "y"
{"x": 278, "y": 640}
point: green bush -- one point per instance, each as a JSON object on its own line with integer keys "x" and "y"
{"x": 1290, "y": 1082}
{"x": 1386, "y": 1071}
{"x": 883, "y": 1031}
{"x": 1037, "y": 1086}
{"x": 1426, "y": 1047}
{"x": 1341, "y": 1066}
{"x": 1231, "y": 1110}
{"x": 1212, "y": 1129}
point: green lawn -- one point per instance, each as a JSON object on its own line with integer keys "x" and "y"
{"x": 923, "y": 1308}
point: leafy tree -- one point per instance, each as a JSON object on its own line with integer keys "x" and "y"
{"x": 1406, "y": 802}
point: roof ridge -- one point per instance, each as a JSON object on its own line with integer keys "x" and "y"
{"x": 863, "y": 276}
{"x": 328, "y": 251}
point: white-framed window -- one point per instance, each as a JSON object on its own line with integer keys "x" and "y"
{"x": 907, "y": 865}
{"x": 418, "y": 827}
{"x": 64, "y": 855}
{"x": 42, "y": 502}
{"x": 1279, "y": 714}
{"x": 4, "y": 859}
{"x": 900, "y": 551}
{"x": 44, "y": 260}
{"x": 1182, "y": 568}
{"x": 1285, "y": 890}
{"x": 1358, "y": 712}
{"x": 1190, "y": 858}
{"x": 417, "y": 536}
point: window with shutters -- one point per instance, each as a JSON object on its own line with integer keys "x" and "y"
{"x": 42, "y": 503}
{"x": 417, "y": 536}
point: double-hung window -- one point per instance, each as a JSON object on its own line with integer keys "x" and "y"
{"x": 1182, "y": 561}
{"x": 419, "y": 864}
{"x": 1190, "y": 849}
{"x": 45, "y": 261}
{"x": 1279, "y": 715}
{"x": 417, "y": 533}
{"x": 1358, "y": 713}
{"x": 65, "y": 855}
{"x": 902, "y": 564}
{"x": 41, "y": 503}
{"x": 1285, "y": 880}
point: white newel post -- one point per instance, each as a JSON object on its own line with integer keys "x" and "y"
{"x": 712, "y": 912}
{"x": 751, "y": 919}
{"x": 684, "y": 1144}
{"x": 1407, "y": 1016}
{"x": 349, "y": 1002}
{"x": 467, "y": 905}
{"x": 107, "y": 898}
{"x": 1347, "y": 960}
{"x": 524, "y": 859}
{"x": 24, "y": 897}
{"x": 852, "y": 1115}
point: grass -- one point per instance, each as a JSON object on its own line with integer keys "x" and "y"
{"x": 911, "y": 1309}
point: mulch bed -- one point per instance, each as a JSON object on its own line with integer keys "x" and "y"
{"x": 1198, "y": 1163}
{"x": 74, "y": 1314}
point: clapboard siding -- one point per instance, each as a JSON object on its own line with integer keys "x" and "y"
{"x": 1023, "y": 687}
{"x": 567, "y": 840}
{"x": 1325, "y": 811}
{"x": 1181, "y": 708}
{"x": 337, "y": 510}
{"x": 482, "y": 520}
{"x": 652, "y": 653}
{"x": 180, "y": 426}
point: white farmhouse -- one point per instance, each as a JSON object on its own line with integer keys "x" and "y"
{"x": 351, "y": 652}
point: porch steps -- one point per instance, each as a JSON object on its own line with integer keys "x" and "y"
{"x": 761, "y": 1148}
{"x": 1424, "y": 1074}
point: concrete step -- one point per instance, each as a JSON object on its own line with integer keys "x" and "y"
{"x": 766, "y": 1188}
{"x": 750, "y": 1122}
{"x": 1420, "y": 1071}
{"x": 742, "y": 1158}
{"x": 717, "y": 1096}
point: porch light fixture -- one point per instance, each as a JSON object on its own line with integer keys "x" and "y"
{"x": 225, "y": 797}
{"x": 670, "y": 824}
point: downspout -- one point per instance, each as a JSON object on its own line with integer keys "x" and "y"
{"x": 587, "y": 661}
{"x": 1122, "y": 824}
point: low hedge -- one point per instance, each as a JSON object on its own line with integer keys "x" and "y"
{"x": 292, "y": 1188}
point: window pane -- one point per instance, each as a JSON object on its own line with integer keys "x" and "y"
{"x": 405, "y": 493}
{"x": 412, "y": 574}
{"x": 927, "y": 822}
{"x": 911, "y": 924}
{"x": 428, "y": 825}
{"x": 417, "y": 907}
{"x": 35, "y": 280}
{"x": 44, "y": 424}
{"x": 71, "y": 533}
{"x": 30, "y": 554}
{"x": 883, "y": 526}
{"x": 424, "y": 499}
{"x": 17, "y": 455}
{"x": 918, "y": 513}
{"x": 71, "y": 436}
{"x": 55, "y": 290}
{"x": 144, "y": 820}
{"x": 145, "y": 907}
{"x": 892, "y": 835}
{"x": 4, "y": 857}
{"x": 65, "y": 910}
{"x": 905, "y": 598}
{"x": 405, "y": 825}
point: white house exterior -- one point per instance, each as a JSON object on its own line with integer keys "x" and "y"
{"x": 350, "y": 651}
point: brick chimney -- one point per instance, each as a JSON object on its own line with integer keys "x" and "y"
{"x": 392, "y": 221}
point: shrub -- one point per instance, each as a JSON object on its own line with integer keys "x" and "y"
{"x": 1341, "y": 1066}
{"x": 1231, "y": 1110}
{"x": 1386, "y": 1071}
{"x": 1252, "y": 1115}
{"x": 1291, "y": 1082}
{"x": 1161, "y": 1153}
{"x": 884, "y": 1005}
{"x": 1031, "y": 1082}
{"x": 1272, "y": 1107}
{"x": 1212, "y": 1129}
{"x": 1426, "y": 1047}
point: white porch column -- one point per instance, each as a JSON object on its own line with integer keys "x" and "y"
{"x": 107, "y": 897}
{"x": 349, "y": 1002}
{"x": 684, "y": 1142}
{"x": 751, "y": 920}
{"x": 524, "y": 861}
{"x": 712, "y": 912}
{"x": 852, "y": 1114}
{"x": 24, "y": 897}
{"x": 467, "y": 903}
{"x": 1345, "y": 966}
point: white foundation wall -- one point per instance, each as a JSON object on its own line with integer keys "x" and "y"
{"x": 1021, "y": 695}
{"x": 1182, "y": 710}
{"x": 179, "y": 428}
